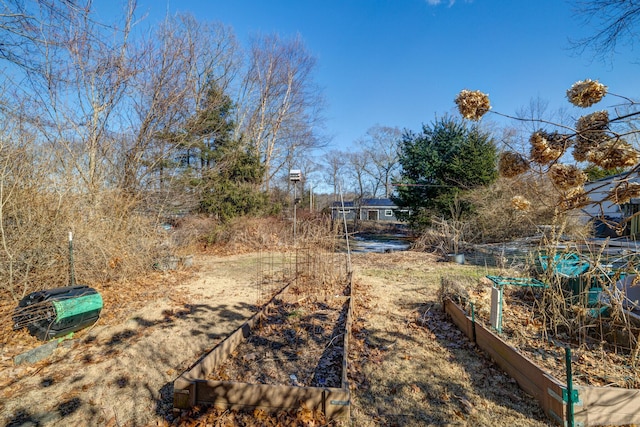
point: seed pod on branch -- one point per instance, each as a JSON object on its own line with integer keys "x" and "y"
{"x": 566, "y": 177}
{"x": 547, "y": 147}
{"x": 574, "y": 198}
{"x": 613, "y": 154}
{"x": 472, "y": 104}
{"x": 623, "y": 192}
{"x": 512, "y": 164}
{"x": 591, "y": 132}
{"x": 520, "y": 203}
{"x": 585, "y": 93}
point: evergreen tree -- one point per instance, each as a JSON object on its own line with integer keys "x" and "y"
{"x": 445, "y": 159}
{"x": 232, "y": 188}
{"x": 595, "y": 172}
{"x": 224, "y": 172}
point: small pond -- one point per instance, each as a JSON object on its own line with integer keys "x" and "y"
{"x": 378, "y": 243}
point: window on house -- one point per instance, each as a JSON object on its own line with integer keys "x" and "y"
{"x": 344, "y": 211}
{"x": 388, "y": 212}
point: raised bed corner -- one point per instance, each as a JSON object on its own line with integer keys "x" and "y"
{"x": 193, "y": 389}
{"x": 594, "y": 406}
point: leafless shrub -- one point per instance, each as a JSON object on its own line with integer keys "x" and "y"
{"x": 111, "y": 241}
{"x": 585, "y": 93}
{"x": 547, "y": 147}
{"x": 512, "y": 164}
{"x": 455, "y": 288}
{"x": 566, "y": 177}
{"x": 555, "y": 193}
{"x": 430, "y": 240}
{"x": 498, "y": 218}
{"x": 252, "y": 234}
{"x": 472, "y": 104}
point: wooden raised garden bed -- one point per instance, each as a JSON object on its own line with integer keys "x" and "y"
{"x": 215, "y": 379}
{"x": 591, "y": 405}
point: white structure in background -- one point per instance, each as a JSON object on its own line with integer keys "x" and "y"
{"x": 603, "y": 211}
{"x": 295, "y": 175}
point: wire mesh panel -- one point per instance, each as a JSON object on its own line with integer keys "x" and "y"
{"x": 309, "y": 271}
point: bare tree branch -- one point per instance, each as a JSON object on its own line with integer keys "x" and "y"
{"x": 615, "y": 23}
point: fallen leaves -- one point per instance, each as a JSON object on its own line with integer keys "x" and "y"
{"x": 301, "y": 339}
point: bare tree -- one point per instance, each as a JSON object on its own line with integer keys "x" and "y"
{"x": 75, "y": 92}
{"x": 280, "y": 102}
{"x": 381, "y": 147}
{"x": 180, "y": 65}
{"x": 29, "y": 28}
{"x": 334, "y": 170}
{"x": 357, "y": 164}
{"x": 614, "y": 21}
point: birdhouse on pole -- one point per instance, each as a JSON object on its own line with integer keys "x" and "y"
{"x": 295, "y": 175}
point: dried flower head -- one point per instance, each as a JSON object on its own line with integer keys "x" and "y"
{"x": 520, "y": 203}
{"x": 624, "y": 191}
{"x": 574, "y": 198}
{"x": 585, "y": 93}
{"x": 547, "y": 147}
{"x": 591, "y": 132}
{"x": 566, "y": 177}
{"x": 472, "y": 104}
{"x": 512, "y": 164}
{"x": 613, "y": 154}
{"x": 598, "y": 120}
{"x": 581, "y": 152}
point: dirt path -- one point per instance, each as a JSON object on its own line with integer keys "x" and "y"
{"x": 410, "y": 375}
{"x": 120, "y": 371}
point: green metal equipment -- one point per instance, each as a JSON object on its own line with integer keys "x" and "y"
{"x": 53, "y": 313}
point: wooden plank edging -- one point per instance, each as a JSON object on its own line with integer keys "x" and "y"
{"x": 607, "y": 406}
{"x": 191, "y": 388}
{"x": 211, "y": 360}
{"x": 596, "y": 405}
{"x": 529, "y": 376}
{"x": 333, "y": 402}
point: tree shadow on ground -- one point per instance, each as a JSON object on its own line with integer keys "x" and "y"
{"x": 429, "y": 373}
{"x": 487, "y": 379}
{"x": 323, "y": 373}
{"x": 24, "y": 417}
{"x": 204, "y": 315}
{"x": 96, "y": 349}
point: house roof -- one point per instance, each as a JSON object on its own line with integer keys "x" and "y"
{"x": 379, "y": 202}
{"x": 369, "y": 203}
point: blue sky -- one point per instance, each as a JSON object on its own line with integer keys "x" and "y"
{"x": 402, "y": 62}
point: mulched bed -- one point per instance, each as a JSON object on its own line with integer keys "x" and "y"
{"x": 595, "y": 362}
{"x": 297, "y": 343}
{"x": 302, "y": 417}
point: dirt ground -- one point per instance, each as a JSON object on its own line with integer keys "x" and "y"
{"x": 120, "y": 371}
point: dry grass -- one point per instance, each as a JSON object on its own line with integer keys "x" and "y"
{"x": 243, "y": 235}
{"x": 112, "y": 241}
{"x": 410, "y": 365}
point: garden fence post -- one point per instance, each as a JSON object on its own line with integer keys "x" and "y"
{"x": 570, "y": 421}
